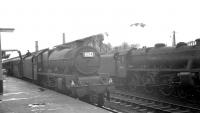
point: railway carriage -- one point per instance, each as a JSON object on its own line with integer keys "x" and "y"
{"x": 13, "y": 67}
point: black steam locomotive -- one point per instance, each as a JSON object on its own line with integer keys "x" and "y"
{"x": 169, "y": 70}
{"x": 73, "y": 71}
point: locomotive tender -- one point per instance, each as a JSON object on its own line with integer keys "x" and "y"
{"x": 169, "y": 70}
{"x": 73, "y": 71}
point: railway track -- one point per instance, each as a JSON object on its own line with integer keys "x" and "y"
{"x": 128, "y": 103}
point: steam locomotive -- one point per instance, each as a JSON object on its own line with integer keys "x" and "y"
{"x": 168, "y": 70}
{"x": 73, "y": 71}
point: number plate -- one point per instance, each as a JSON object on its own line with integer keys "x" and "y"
{"x": 88, "y": 54}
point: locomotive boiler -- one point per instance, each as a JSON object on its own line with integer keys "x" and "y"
{"x": 84, "y": 61}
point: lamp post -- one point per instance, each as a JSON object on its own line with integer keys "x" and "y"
{"x": 1, "y": 73}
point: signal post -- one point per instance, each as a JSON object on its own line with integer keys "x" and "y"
{"x": 1, "y": 73}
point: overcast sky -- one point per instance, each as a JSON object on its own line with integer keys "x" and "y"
{"x": 46, "y": 20}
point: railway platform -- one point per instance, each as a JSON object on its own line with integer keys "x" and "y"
{"x": 23, "y": 97}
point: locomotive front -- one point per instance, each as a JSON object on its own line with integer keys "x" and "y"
{"x": 87, "y": 60}
{"x": 80, "y": 66}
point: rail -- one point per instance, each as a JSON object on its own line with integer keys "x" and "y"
{"x": 129, "y": 103}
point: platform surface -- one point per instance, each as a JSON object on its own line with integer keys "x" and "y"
{"x": 24, "y": 97}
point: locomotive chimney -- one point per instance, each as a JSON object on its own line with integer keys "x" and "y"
{"x": 174, "y": 39}
{"x": 63, "y": 38}
{"x": 36, "y": 46}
